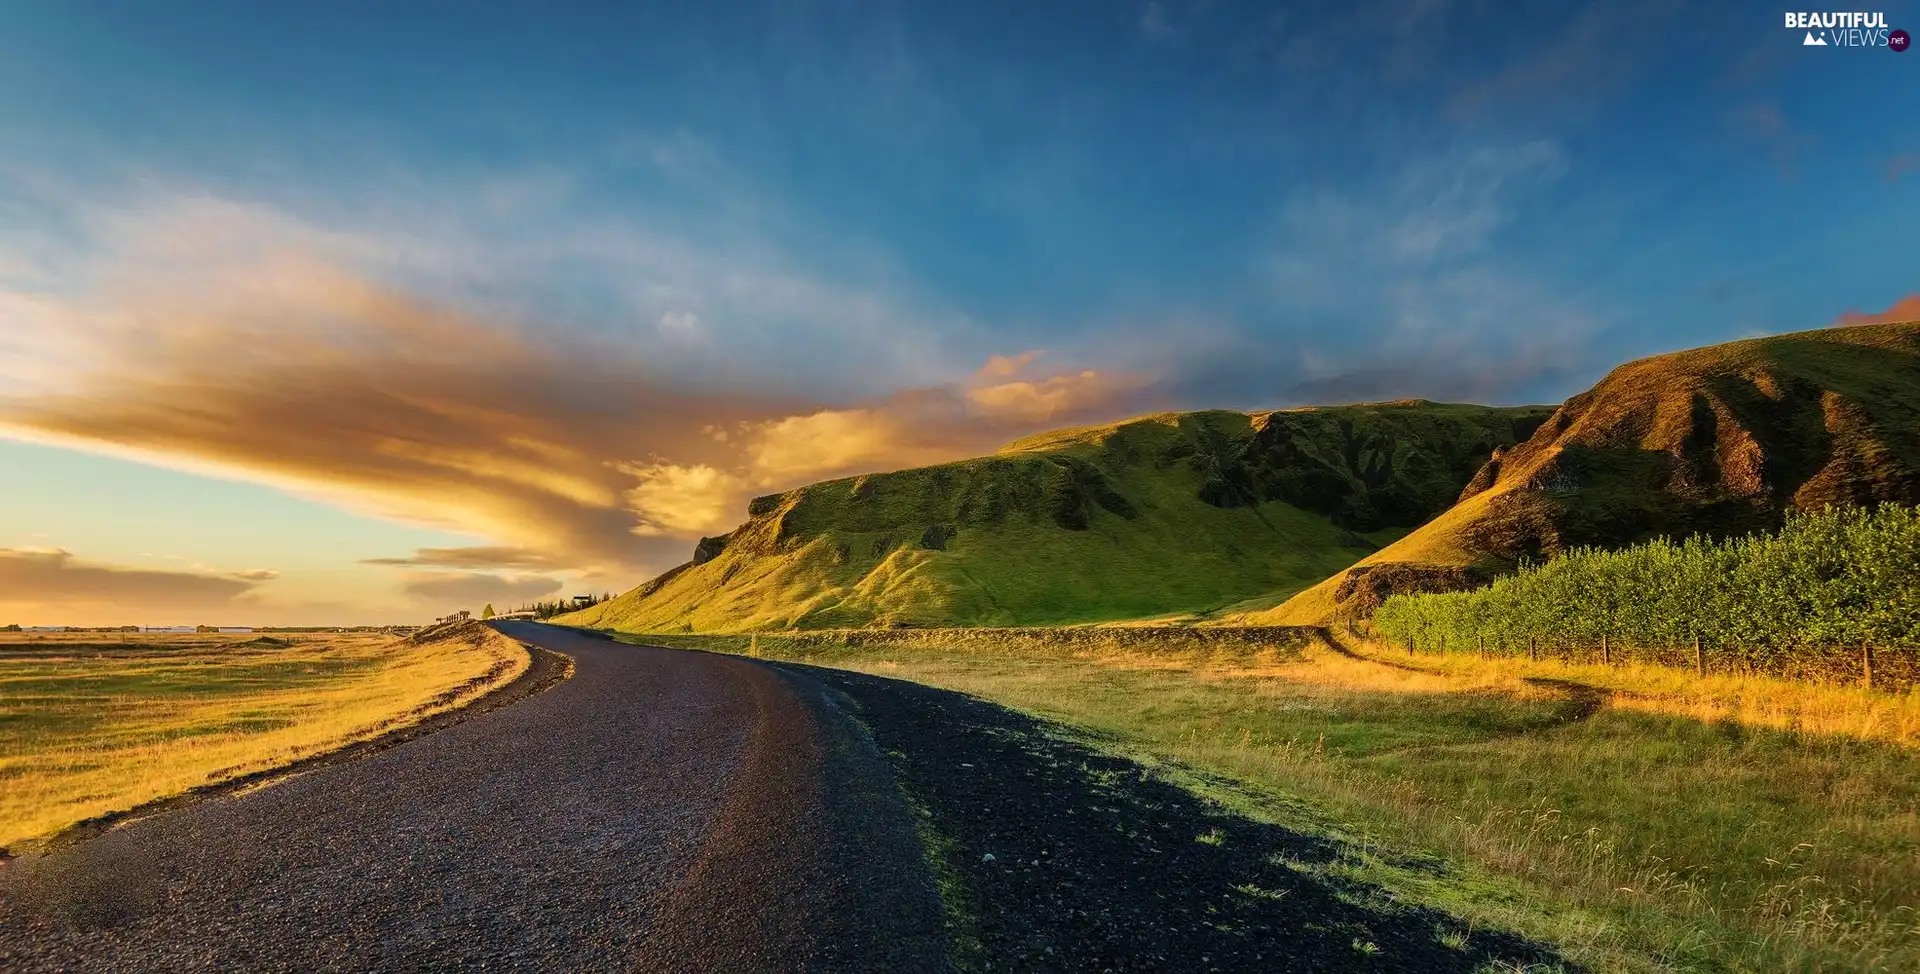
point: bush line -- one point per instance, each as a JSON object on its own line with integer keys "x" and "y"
{"x": 1834, "y": 594}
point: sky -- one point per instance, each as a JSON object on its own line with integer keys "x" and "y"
{"x": 341, "y": 313}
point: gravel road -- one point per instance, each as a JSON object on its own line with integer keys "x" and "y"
{"x": 659, "y": 811}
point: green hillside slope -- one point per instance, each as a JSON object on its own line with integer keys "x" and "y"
{"x": 1719, "y": 440}
{"x": 1178, "y": 513}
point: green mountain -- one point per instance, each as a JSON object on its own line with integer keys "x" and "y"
{"x": 1179, "y": 514}
{"x": 1720, "y": 440}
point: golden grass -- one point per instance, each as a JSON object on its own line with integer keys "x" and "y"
{"x": 96, "y": 723}
{"x": 1844, "y": 710}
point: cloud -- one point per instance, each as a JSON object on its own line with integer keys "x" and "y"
{"x": 911, "y": 428}
{"x": 256, "y": 575}
{"x": 1409, "y": 279}
{"x": 477, "y": 556}
{"x": 1598, "y": 51}
{"x": 1763, "y": 122}
{"x": 681, "y": 500}
{"x": 479, "y": 587}
{"x": 1905, "y": 309}
{"x": 1155, "y": 25}
{"x": 1900, "y": 165}
{"x": 250, "y": 345}
{"x": 1042, "y": 400}
{"x": 56, "y": 578}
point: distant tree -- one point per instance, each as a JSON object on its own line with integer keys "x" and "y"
{"x": 487, "y": 613}
{"x": 14, "y": 627}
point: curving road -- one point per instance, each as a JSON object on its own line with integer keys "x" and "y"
{"x": 659, "y": 811}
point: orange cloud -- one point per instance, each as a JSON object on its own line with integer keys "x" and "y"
{"x": 1905, "y": 309}
{"x": 232, "y": 349}
{"x": 54, "y": 587}
{"x": 479, "y": 588}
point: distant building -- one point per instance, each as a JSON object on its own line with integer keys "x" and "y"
{"x": 46, "y": 629}
{"x": 519, "y": 614}
{"x": 236, "y": 628}
{"x": 169, "y": 628}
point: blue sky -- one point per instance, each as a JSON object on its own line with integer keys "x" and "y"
{"x": 820, "y": 224}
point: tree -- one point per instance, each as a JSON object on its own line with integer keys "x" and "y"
{"x": 487, "y": 613}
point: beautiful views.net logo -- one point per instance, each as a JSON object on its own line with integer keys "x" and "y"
{"x": 1847, "y": 28}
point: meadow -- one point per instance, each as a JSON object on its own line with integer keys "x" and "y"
{"x": 92, "y": 723}
{"x": 1636, "y": 816}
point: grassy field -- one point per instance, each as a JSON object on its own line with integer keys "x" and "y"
{"x": 92, "y": 723}
{"x": 1635, "y": 816}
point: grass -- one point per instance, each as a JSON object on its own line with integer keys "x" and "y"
{"x": 1175, "y": 515}
{"x": 95, "y": 723}
{"x": 1716, "y": 440}
{"x": 1653, "y": 822}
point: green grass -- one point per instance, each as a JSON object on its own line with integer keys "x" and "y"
{"x": 1631, "y": 838}
{"x": 1175, "y": 515}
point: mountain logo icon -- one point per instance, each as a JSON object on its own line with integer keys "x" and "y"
{"x": 1813, "y": 41}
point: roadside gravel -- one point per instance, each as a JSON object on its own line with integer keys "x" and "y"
{"x": 1059, "y": 857}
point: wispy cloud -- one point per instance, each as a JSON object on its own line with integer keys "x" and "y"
{"x": 478, "y": 587}
{"x": 250, "y": 344}
{"x": 1409, "y": 267}
{"x": 1601, "y": 48}
{"x": 33, "y": 577}
{"x": 1764, "y": 123}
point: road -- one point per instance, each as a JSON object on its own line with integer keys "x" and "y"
{"x": 659, "y": 811}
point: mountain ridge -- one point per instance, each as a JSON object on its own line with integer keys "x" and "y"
{"x": 1719, "y": 440}
{"x": 1168, "y": 514}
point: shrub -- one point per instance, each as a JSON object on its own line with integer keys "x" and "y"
{"x": 1838, "y": 577}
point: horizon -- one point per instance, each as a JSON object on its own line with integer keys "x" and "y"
{"x": 311, "y": 317}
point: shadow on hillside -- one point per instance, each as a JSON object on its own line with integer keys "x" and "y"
{"x": 1071, "y": 859}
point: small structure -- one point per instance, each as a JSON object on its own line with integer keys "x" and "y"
{"x": 519, "y": 614}
{"x": 46, "y": 629}
{"x": 169, "y": 628}
{"x": 460, "y": 616}
{"x": 238, "y": 629}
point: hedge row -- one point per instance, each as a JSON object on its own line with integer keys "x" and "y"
{"x": 1828, "y": 584}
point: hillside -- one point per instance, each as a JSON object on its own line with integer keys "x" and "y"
{"x": 1720, "y": 440}
{"x": 1173, "y": 514}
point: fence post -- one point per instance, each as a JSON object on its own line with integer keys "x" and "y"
{"x": 1699, "y": 659}
{"x": 1481, "y": 641}
{"x": 1866, "y": 660}
{"x": 1533, "y": 647}
{"x": 1606, "y": 651}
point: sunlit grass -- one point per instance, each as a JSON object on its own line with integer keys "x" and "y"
{"x": 1819, "y": 708}
{"x": 99, "y": 726}
{"x": 1658, "y": 822}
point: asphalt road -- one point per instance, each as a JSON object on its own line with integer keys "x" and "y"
{"x": 659, "y": 811}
